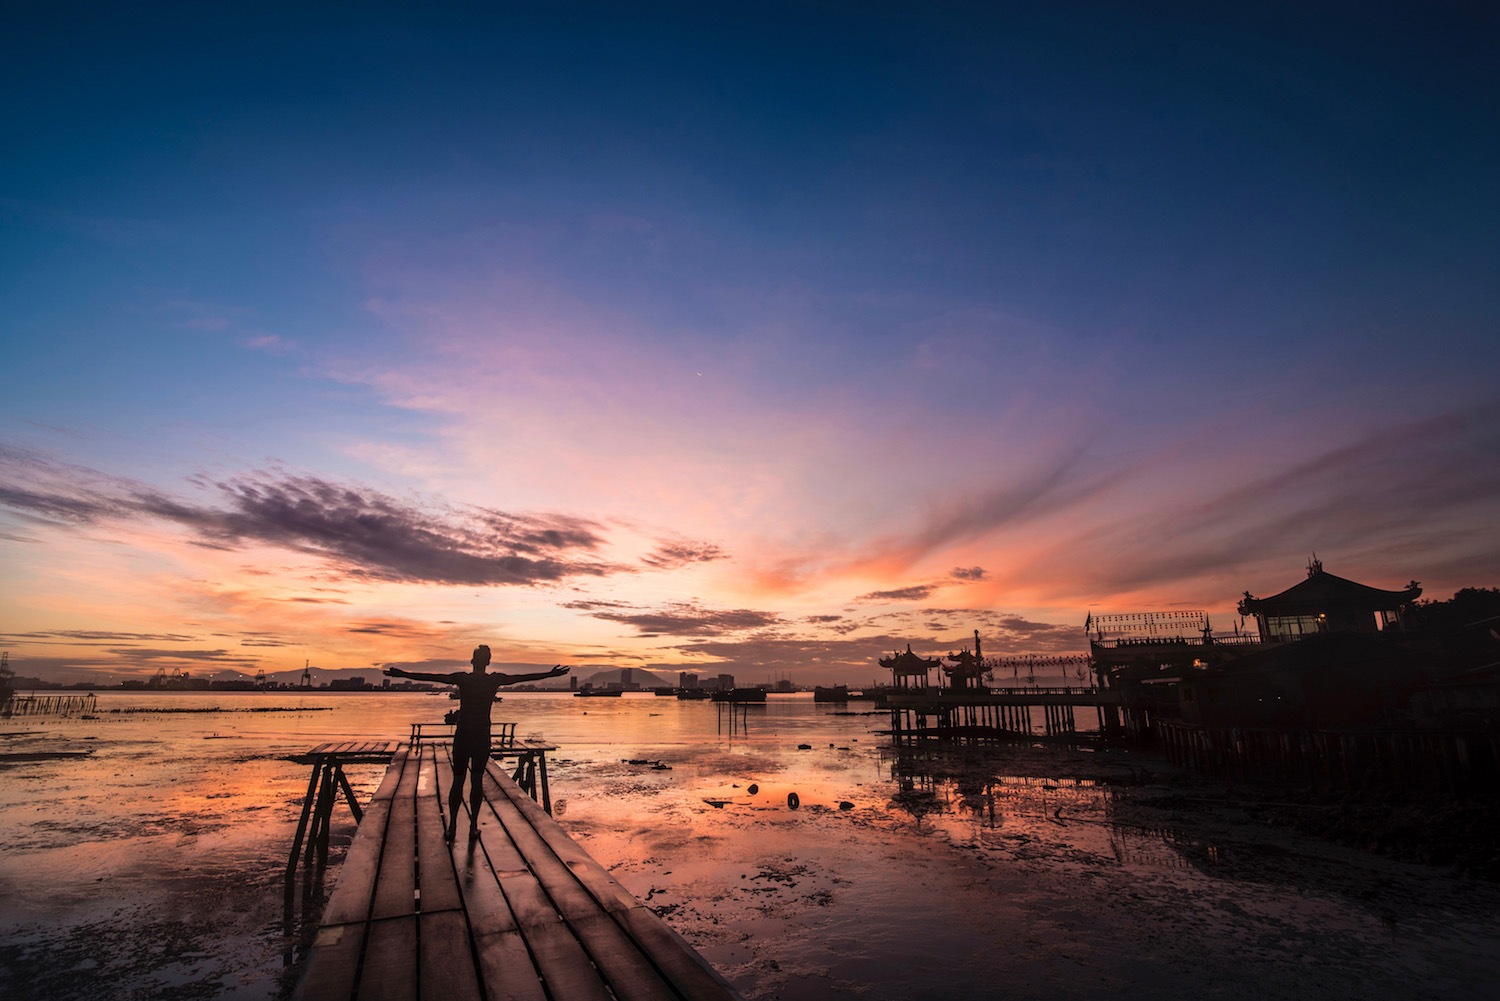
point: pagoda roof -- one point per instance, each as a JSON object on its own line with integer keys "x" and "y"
{"x": 908, "y": 662}
{"x": 1322, "y": 591}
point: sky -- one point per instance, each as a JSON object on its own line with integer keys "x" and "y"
{"x": 756, "y": 339}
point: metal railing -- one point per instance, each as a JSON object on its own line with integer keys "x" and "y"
{"x": 502, "y": 735}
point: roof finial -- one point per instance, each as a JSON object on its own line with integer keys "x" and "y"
{"x": 1314, "y": 565}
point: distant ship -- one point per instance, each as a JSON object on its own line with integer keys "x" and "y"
{"x": 693, "y": 693}
{"x": 834, "y": 693}
{"x": 598, "y": 693}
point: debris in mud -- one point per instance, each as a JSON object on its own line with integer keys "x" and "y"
{"x": 655, "y": 764}
{"x": 45, "y": 755}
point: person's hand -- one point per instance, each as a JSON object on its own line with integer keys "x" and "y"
{"x": 389, "y": 672}
{"x": 558, "y": 671}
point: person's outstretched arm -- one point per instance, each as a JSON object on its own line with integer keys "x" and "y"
{"x": 516, "y": 679}
{"x": 442, "y": 679}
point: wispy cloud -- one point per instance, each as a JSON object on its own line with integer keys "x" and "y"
{"x": 91, "y": 636}
{"x": 677, "y": 618}
{"x": 916, "y": 592}
{"x": 361, "y": 531}
{"x": 674, "y": 554}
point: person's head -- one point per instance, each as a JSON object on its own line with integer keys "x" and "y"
{"x": 481, "y": 657}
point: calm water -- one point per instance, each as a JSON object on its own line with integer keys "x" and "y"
{"x": 151, "y": 866}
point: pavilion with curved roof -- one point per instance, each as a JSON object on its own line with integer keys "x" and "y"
{"x": 1325, "y": 603}
{"x": 907, "y": 666}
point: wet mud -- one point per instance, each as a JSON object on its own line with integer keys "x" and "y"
{"x": 152, "y": 868}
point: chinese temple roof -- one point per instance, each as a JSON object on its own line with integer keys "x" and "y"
{"x": 967, "y": 665}
{"x": 1322, "y": 592}
{"x": 908, "y": 663}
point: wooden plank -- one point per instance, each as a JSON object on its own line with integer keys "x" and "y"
{"x": 558, "y": 861}
{"x": 505, "y": 966}
{"x": 395, "y": 888}
{"x": 354, "y": 892}
{"x": 331, "y": 965}
{"x": 674, "y": 958}
{"x": 565, "y": 967}
{"x": 434, "y": 864}
{"x": 506, "y": 969}
{"x": 447, "y": 962}
{"x": 629, "y": 974}
{"x": 389, "y": 972}
{"x": 392, "y": 778}
{"x": 625, "y": 966}
{"x": 559, "y": 959}
{"x": 604, "y": 887}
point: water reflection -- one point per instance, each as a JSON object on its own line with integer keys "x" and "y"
{"x": 161, "y": 834}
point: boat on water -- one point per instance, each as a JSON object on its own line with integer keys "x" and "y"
{"x": 740, "y": 695}
{"x": 598, "y": 693}
{"x": 693, "y": 693}
{"x": 832, "y": 693}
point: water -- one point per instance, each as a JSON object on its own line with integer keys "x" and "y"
{"x": 152, "y": 866}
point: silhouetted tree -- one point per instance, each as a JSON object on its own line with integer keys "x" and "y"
{"x": 1468, "y": 605}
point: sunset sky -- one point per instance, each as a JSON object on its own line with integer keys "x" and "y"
{"x": 748, "y": 338}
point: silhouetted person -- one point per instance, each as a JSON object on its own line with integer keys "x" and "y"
{"x": 471, "y": 740}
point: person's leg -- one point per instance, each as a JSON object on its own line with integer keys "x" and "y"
{"x": 456, "y": 794}
{"x": 476, "y": 791}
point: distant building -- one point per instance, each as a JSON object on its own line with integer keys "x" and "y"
{"x": 1325, "y": 653}
{"x": 967, "y": 668}
{"x": 1324, "y": 603}
{"x": 687, "y": 680}
{"x": 726, "y": 682}
{"x": 908, "y": 670}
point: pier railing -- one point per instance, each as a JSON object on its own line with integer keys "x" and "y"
{"x": 1126, "y": 642}
{"x": 48, "y": 705}
{"x": 1350, "y": 758}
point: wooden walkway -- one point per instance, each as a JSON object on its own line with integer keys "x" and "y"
{"x": 522, "y": 913}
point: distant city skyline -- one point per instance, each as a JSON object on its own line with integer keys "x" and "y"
{"x": 758, "y": 341}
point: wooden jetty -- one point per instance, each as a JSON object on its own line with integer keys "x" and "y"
{"x": 521, "y": 913}
{"x": 48, "y": 705}
{"x": 328, "y": 781}
{"x": 967, "y": 715}
{"x": 323, "y": 789}
{"x": 1456, "y": 760}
